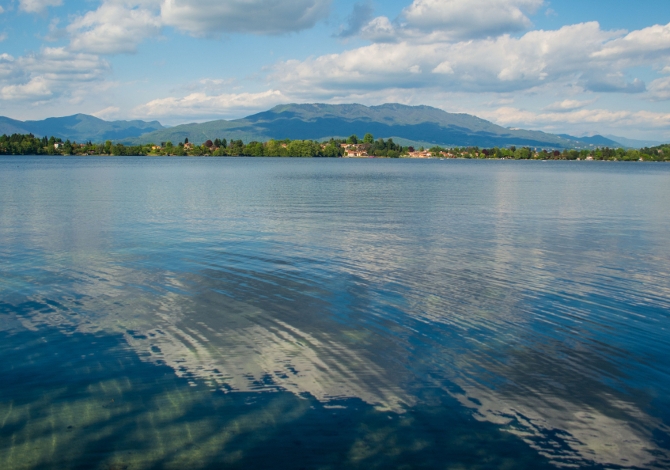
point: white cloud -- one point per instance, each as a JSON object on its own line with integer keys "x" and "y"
{"x": 430, "y": 21}
{"x": 119, "y": 26}
{"x": 35, "y": 89}
{"x": 202, "y": 17}
{"x": 115, "y": 27}
{"x": 614, "y": 82}
{"x": 107, "y": 113}
{"x": 507, "y": 116}
{"x": 51, "y": 73}
{"x": 379, "y": 29}
{"x": 359, "y": 17}
{"x": 569, "y": 55}
{"x": 568, "y": 105}
{"x": 201, "y": 104}
{"x": 444, "y": 68}
{"x": 3, "y": 36}
{"x": 2, "y": 10}
{"x": 462, "y": 19}
{"x": 37, "y": 6}
{"x": 638, "y": 46}
{"x": 660, "y": 89}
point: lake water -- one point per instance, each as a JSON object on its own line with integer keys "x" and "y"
{"x": 322, "y": 314}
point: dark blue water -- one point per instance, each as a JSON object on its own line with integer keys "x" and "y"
{"x": 322, "y": 314}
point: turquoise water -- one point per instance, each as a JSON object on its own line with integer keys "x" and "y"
{"x": 323, "y": 314}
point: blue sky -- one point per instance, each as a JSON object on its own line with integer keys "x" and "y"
{"x": 560, "y": 66}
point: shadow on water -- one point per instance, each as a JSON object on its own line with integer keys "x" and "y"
{"x": 84, "y": 401}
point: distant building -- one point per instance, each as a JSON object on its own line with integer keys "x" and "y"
{"x": 356, "y": 153}
{"x": 447, "y": 154}
{"x": 421, "y": 154}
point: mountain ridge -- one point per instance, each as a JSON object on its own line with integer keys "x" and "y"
{"x": 408, "y": 125}
{"x": 79, "y": 127}
{"x": 318, "y": 121}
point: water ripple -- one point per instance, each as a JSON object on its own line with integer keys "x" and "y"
{"x": 536, "y": 296}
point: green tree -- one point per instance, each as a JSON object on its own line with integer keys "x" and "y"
{"x": 67, "y": 148}
{"x": 274, "y": 149}
{"x": 368, "y": 139}
{"x": 332, "y": 150}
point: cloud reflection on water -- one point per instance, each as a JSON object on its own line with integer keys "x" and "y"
{"x": 494, "y": 293}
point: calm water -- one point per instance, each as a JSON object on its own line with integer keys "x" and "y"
{"x": 323, "y": 314}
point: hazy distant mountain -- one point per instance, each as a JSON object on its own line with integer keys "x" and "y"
{"x": 596, "y": 140}
{"x": 635, "y": 143}
{"x": 420, "y": 124}
{"x": 80, "y": 128}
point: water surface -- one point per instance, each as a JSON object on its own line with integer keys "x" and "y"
{"x": 287, "y": 313}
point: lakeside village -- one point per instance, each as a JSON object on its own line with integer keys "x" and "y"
{"x": 368, "y": 147}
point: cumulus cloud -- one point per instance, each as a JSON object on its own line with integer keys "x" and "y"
{"x": 115, "y": 27}
{"x": 568, "y": 105}
{"x": 467, "y": 19}
{"x": 430, "y": 21}
{"x": 201, "y": 104}
{"x": 35, "y": 89}
{"x": 51, "y": 73}
{"x": 570, "y": 55}
{"x": 120, "y": 26}
{"x": 380, "y": 29}
{"x": 201, "y": 17}
{"x": 642, "y": 45}
{"x": 659, "y": 89}
{"x": 615, "y": 83}
{"x": 507, "y": 116}
{"x": 359, "y": 17}
{"x": 37, "y": 6}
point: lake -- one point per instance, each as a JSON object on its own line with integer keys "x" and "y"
{"x": 322, "y": 314}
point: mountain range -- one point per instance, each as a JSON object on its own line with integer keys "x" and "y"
{"x": 79, "y": 128}
{"x": 407, "y": 125}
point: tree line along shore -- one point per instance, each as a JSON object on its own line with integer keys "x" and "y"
{"x": 28, "y": 144}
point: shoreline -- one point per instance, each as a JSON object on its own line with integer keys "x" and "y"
{"x": 334, "y": 158}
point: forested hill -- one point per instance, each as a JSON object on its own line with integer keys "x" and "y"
{"x": 422, "y": 125}
{"x": 79, "y": 128}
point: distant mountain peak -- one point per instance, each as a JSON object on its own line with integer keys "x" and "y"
{"x": 421, "y": 125}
